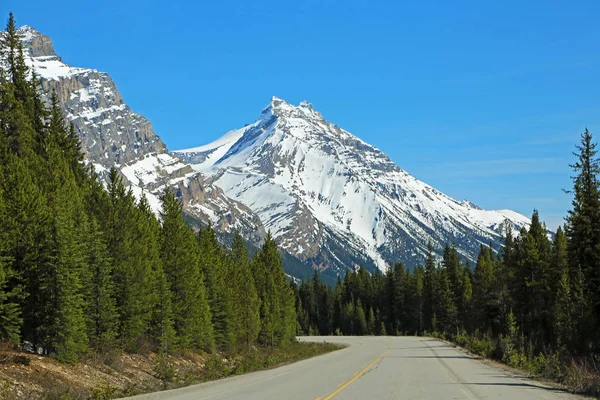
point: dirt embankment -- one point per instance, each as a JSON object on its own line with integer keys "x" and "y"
{"x": 31, "y": 377}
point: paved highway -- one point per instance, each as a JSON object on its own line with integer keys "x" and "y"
{"x": 373, "y": 368}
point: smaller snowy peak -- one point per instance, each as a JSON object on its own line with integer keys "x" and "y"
{"x": 276, "y": 103}
{"x": 470, "y": 204}
{"x": 41, "y": 57}
{"x": 36, "y": 43}
{"x": 28, "y": 33}
{"x": 306, "y": 105}
{"x": 281, "y": 108}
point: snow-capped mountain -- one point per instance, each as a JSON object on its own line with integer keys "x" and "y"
{"x": 333, "y": 200}
{"x": 113, "y": 135}
{"x": 330, "y": 199}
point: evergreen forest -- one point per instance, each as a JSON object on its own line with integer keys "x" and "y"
{"x": 87, "y": 268}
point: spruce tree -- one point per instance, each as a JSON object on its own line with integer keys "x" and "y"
{"x": 453, "y": 268}
{"x": 65, "y": 325}
{"x": 371, "y": 322}
{"x": 483, "y": 284}
{"x": 445, "y": 308}
{"x": 429, "y": 290}
{"x": 583, "y": 227}
{"x": 10, "y": 311}
{"x": 98, "y": 288}
{"x": 212, "y": 262}
{"x": 180, "y": 257}
{"x": 246, "y": 303}
{"x": 465, "y": 308}
{"x": 360, "y": 321}
{"x": 279, "y": 309}
{"x": 132, "y": 246}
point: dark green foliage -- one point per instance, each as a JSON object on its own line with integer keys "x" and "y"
{"x": 213, "y": 264}
{"x": 245, "y": 300}
{"x": 179, "y": 253}
{"x": 534, "y": 304}
{"x": 583, "y": 230}
{"x": 133, "y": 248}
{"x": 98, "y": 288}
{"x": 10, "y": 312}
{"x": 278, "y": 306}
{"x": 430, "y": 289}
{"x": 87, "y": 269}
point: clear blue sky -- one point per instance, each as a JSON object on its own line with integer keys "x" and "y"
{"x": 484, "y": 100}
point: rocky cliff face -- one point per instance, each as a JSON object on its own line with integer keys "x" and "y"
{"x": 113, "y": 135}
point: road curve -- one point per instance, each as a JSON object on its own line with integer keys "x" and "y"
{"x": 373, "y": 368}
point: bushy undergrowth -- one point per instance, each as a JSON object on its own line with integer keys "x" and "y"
{"x": 578, "y": 374}
{"x": 256, "y": 359}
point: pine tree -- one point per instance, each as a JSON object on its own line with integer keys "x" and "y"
{"x": 98, "y": 288}
{"x": 10, "y": 312}
{"x": 582, "y": 227}
{"x": 483, "y": 284}
{"x": 360, "y": 321}
{"x": 212, "y": 262}
{"x": 395, "y": 297}
{"x": 282, "y": 314}
{"x": 453, "y": 268}
{"x": 65, "y": 325}
{"x": 132, "y": 244}
{"x": 429, "y": 290}
{"x": 371, "y": 322}
{"x": 17, "y": 96}
{"x": 445, "y": 308}
{"x": 348, "y": 319}
{"x": 180, "y": 257}
{"x": 246, "y": 303}
{"x": 466, "y": 298}
{"x": 561, "y": 287}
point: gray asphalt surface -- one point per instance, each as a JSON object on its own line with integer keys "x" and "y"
{"x": 374, "y": 368}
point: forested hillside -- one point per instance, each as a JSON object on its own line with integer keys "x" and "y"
{"x": 532, "y": 299}
{"x": 88, "y": 269}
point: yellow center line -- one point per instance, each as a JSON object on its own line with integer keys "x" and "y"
{"x": 341, "y": 383}
{"x": 358, "y": 375}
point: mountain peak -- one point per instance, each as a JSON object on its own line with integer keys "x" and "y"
{"x": 38, "y": 44}
{"x": 282, "y": 108}
{"x": 307, "y": 105}
{"x": 28, "y": 33}
{"x": 334, "y": 200}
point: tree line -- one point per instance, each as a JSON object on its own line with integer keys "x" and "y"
{"x": 86, "y": 268}
{"x": 540, "y": 292}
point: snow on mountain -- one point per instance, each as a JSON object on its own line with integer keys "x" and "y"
{"x": 332, "y": 199}
{"x": 205, "y": 156}
{"x": 113, "y": 135}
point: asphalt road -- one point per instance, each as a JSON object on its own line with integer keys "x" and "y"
{"x": 374, "y": 368}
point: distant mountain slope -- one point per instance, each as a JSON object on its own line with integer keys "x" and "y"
{"x": 335, "y": 201}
